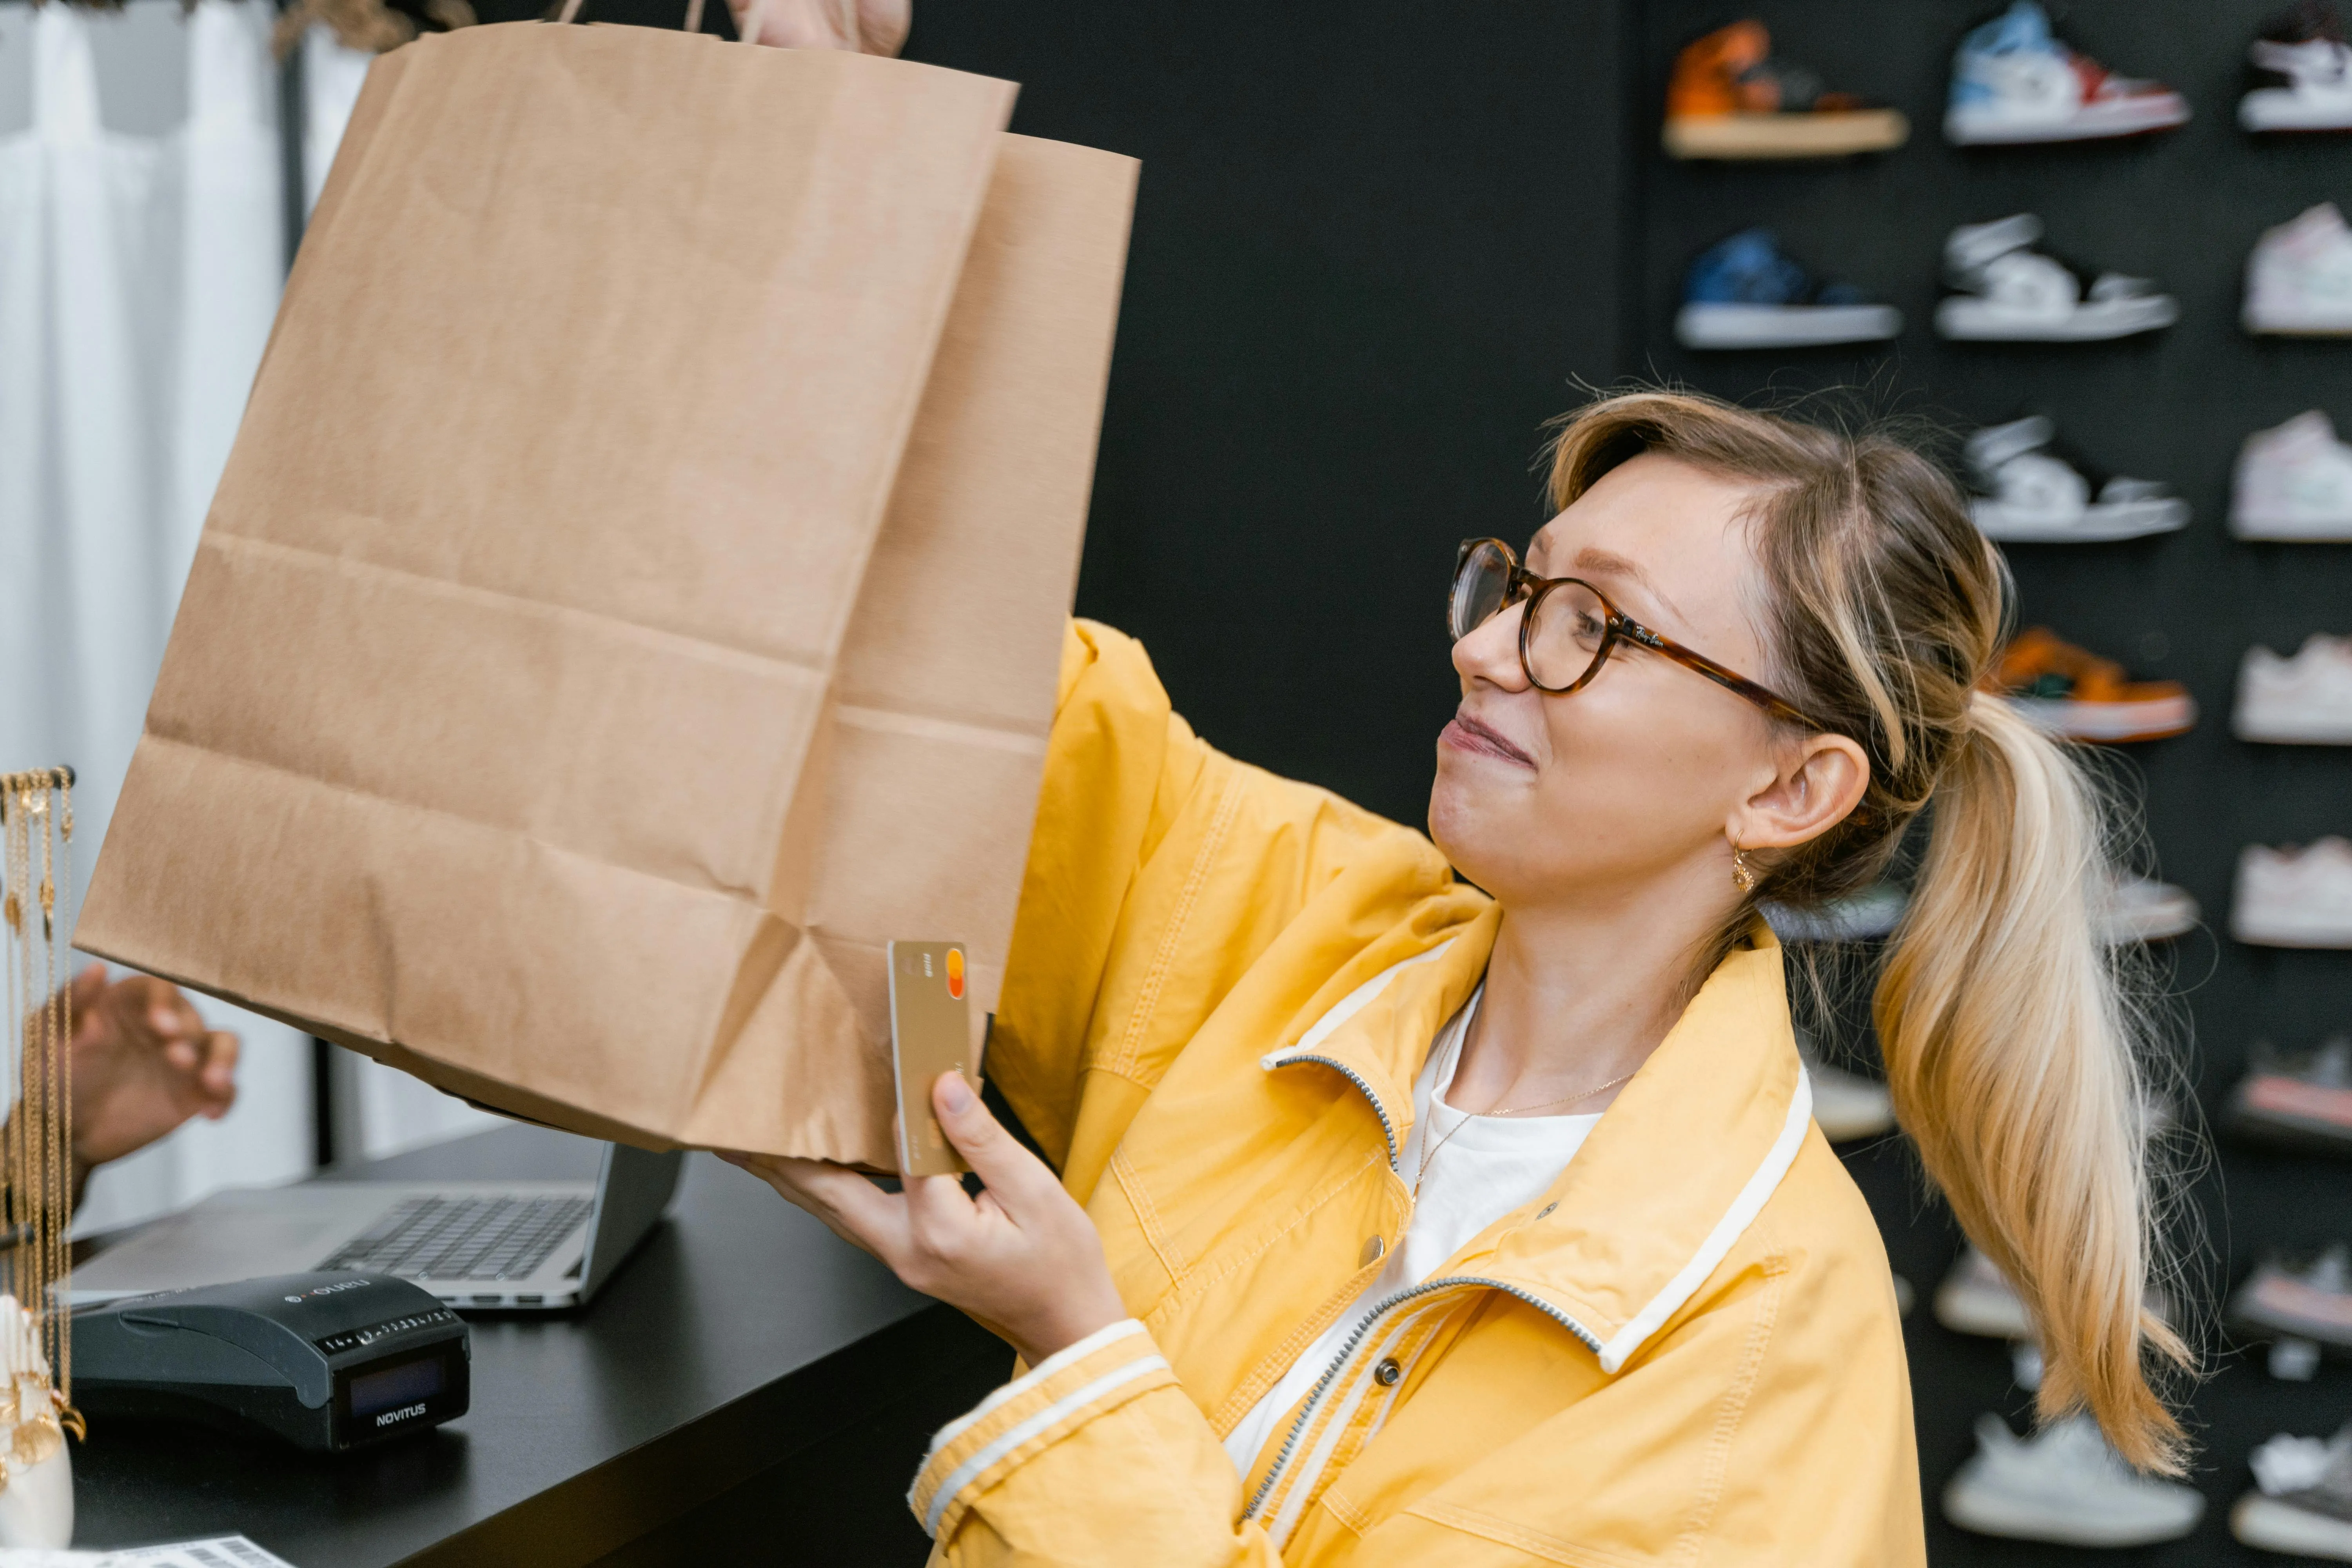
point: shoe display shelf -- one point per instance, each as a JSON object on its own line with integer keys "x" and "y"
{"x": 2200, "y": 582}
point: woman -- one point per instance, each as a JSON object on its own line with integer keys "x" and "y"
{"x": 1345, "y": 1263}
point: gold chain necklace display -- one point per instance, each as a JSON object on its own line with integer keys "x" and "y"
{"x": 36, "y": 1140}
{"x": 1436, "y": 1099}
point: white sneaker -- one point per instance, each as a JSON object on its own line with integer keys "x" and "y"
{"x": 2065, "y": 1484}
{"x": 2137, "y": 908}
{"x": 1976, "y": 1298}
{"x": 2306, "y": 51}
{"x": 2299, "y": 279}
{"x": 2305, "y": 701}
{"x": 2302, "y": 1504}
{"x": 1846, "y": 1105}
{"x": 2293, "y": 482}
{"x": 2038, "y": 499}
{"x": 2291, "y": 897}
{"x": 2010, "y": 294}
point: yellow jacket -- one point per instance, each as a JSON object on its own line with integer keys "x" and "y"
{"x": 1222, "y": 988}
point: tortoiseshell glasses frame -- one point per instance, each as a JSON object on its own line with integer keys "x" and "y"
{"x": 1488, "y": 580}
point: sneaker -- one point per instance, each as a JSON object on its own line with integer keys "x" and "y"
{"x": 2313, "y": 1302}
{"x": 2065, "y": 1484}
{"x": 2069, "y": 692}
{"x": 2299, "y": 279}
{"x": 2139, "y": 908}
{"x": 2294, "y": 898}
{"x": 2007, "y": 293}
{"x": 1744, "y": 293}
{"x": 1846, "y": 1105}
{"x": 2012, "y": 80}
{"x": 2302, "y": 1501}
{"x": 1730, "y": 98}
{"x": 2307, "y": 67}
{"x": 1976, "y": 1298}
{"x": 2305, "y": 1103}
{"x": 2293, "y": 482}
{"x": 2305, "y": 701}
{"x": 2036, "y": 498}
{"x": 1859, "y": 917}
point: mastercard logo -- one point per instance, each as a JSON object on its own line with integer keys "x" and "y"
{"x": 955, "y": 973}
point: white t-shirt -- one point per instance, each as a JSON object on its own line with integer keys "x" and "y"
{"x": 1485, "y": 1167}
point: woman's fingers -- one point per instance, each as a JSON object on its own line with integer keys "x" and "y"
{"x": 1019, "y": 1178}
{"x": 851, "y": 1206}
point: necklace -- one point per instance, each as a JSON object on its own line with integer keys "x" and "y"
{"x": 1436, "y": 1099}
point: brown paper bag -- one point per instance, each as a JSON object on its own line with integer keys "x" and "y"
{"x": 637, "y": 591}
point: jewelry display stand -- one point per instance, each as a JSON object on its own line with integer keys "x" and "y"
{"x": 35, "y": 1160}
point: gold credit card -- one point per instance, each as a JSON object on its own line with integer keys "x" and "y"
{"x": 931, "y": 1033}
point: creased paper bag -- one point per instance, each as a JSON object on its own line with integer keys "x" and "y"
{"x": 636, "y": 590}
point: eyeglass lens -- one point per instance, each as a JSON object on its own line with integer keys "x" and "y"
{"x": 1571, "y": 624}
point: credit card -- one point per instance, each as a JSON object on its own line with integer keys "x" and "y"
{"x": 931, "y": 1033}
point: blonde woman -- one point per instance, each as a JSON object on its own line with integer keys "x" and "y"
{"x": 1401, "y": 1219}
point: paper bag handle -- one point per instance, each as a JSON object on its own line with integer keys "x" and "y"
{"x": 693, "y": 24}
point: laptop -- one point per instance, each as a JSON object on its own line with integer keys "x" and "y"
{"x": 515, "y": 1245}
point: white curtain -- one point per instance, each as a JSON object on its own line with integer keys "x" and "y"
{"x": 142, "y": 251}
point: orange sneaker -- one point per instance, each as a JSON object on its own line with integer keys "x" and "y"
{"x": 1730, "y": 98}
{"x": 2067, "y": 691}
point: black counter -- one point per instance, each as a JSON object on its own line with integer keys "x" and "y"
{"x": 746, "y": 1382}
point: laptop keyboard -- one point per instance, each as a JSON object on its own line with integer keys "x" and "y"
{"x": 463, "y": 1238}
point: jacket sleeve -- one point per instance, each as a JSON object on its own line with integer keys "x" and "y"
{"x": 1095, "y": 1456}
{"x": 1159, "y": 871}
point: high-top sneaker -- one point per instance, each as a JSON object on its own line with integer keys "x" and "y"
{"x": 2006, "y": 292}
{"x": 2302, "y": 1501}
{"x": 2068, "y": 692}
{"x": 2013, "y": 80}
{"x": 2038, "y": 498}
{"x": 2306, "y": 70}
{"x": 2293, "y": 482}
{"x": 2299, "y": 277}
{"x": 1745, "y": 293}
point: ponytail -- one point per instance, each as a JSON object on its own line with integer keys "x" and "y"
{"x": 2013, "y": 1044}
{"x": 2010, "y": 1055}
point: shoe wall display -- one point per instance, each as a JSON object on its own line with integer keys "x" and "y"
{"x": 2304, "y": 700}
{"x": 1747, "y": 293}
{"x": 2293, "y": 481}
{"x": 1730, "y": 98}
{"x": 2005, "y": 292}
{"x": 2294, "y": 898}
{"x": 2302, "y": 1502}
{"x": 2168, "y": 489}
{"x": 2065, "y": 1485}
{"x": 2299, "y": 277}
{"x": 2034, "y": 497}
{"x": 2014, "y": 81}
{"x": 2073, "y": 693}
{"x": 2306, "y": 70}
{"x": 2300, "y": 1103}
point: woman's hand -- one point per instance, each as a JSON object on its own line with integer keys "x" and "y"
{"x": 143, "y": 1062}
{"x": 1022, "y": 1258}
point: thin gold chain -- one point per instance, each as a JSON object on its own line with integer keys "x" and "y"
{"x": 1436, "y": 1098}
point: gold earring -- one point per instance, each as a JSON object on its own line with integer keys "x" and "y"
{"x": 1743, "y": 875}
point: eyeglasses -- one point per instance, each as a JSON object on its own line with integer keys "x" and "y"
{"x": 1571, "y": 626}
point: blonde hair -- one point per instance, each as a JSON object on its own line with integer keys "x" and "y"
{"x": 2010, "y": 1035}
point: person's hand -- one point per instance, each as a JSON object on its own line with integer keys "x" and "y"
{"x": 143, "y": 1063}
{"x": 865, "y": 26}
{"x": 1022, "y": 1258}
